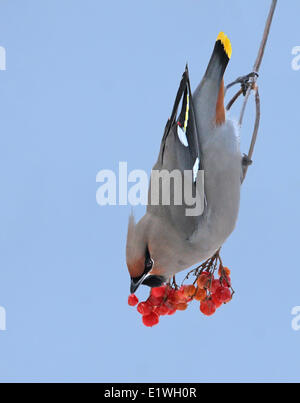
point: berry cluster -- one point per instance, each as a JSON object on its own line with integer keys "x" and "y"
{"x": 166, "y": 300}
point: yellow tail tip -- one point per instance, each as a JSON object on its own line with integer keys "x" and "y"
{"x": 226, "y": 43}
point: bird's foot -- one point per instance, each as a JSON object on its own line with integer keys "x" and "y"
{"x": 246, "y": 82}
{"x": 246, "y": 161}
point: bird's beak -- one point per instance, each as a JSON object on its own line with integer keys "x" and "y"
{"x": 136, "y": 282}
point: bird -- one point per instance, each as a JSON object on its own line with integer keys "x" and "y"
{"x": 165, "y": 240}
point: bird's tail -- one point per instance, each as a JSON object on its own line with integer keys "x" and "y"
{"x": 209, "y": 95}
{"x": 219, "y": 58}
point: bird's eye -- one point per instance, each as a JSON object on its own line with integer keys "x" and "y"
{"x": 149, "y": 263}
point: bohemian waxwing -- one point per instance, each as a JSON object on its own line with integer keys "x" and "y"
{"x": 166, "y": 240}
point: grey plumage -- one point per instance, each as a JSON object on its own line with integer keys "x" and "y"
{"x": 173, "y": 240}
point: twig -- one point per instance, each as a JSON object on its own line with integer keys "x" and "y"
{"x": 174, "y": 282}
{"x": 255, "y": 131}
{"x": 234, "y": 98}
{"x": 256, "y": 67}
{"x": 251, "y": 84}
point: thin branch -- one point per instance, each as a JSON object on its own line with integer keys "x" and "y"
{"x": 260, "y": 55}
{"x": 255, "y": 131}
{"x": 234, "y": 98}
{"x": 265, "y": 37}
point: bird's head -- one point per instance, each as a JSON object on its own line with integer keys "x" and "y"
{"x": 138, "y": 258}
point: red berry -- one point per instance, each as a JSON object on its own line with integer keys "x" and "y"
{"x": 132, "y": 300}
{"x": 225, "y": 269}
{"x": 158, "y": 291}
{"x": 200, "y": 294}
{"x": 226, "y": 281}
{"x": 181, "y": 306}
{"x": 171, "y": 296}
{"x": 189, "y": 290}
{"x": 203, "y": 280}
{"x": 151, "y": 319}
{"x": 155, "y": 301}
{"x": 216, "y": 301}
{"x": 144, "y": 308}
{"x": 180, "y": 294}
{"x": 223, "y": 294}
{"x": 208, "y": 307}
{"x": 140, "y": 308}
{"x": 161, "y": 310}
{"x": 176, "y": 296}
{"x": 215, "y": 284}
{"x": 171, "y": 307}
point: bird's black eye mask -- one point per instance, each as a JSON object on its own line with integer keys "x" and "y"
{"x": 145, "y": 279}
{"x": 147, "y": 267}
{"x": 151, "y": 280}
{"x": 148, "y": 262}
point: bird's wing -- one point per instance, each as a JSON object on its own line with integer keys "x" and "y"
{"x": 183, "y": 128}
{"x": 180, "y": 151}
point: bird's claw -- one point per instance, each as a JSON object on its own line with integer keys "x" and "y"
{"x": 245, "y": 81}
{"x": 246, "y": 161}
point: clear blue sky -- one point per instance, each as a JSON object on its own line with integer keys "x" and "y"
{"x": 91, "y": 83}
